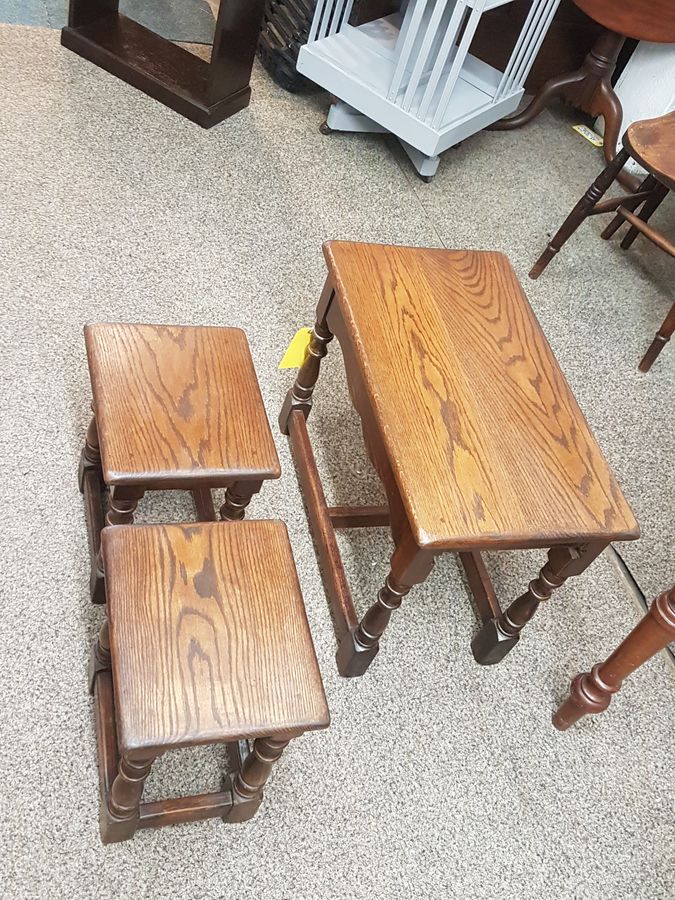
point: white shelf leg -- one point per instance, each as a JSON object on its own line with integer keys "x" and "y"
{"x": 427, "y": 166}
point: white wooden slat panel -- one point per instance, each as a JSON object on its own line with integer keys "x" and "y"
{"x": 446, "y": 46}
{"x": 413, "y": 15}
{"x": 423, "y": 54}
{"x": 456, "y": 67}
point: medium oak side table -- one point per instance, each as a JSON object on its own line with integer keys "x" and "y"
{"x": 471, "y": 427}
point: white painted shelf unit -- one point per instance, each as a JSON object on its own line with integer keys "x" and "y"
{"x": 411, "y": 73}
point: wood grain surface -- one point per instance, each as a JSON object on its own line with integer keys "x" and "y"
{"x": 486, "y": 441}
{"x": 652, "y": 143}
{"x": 208, "y": 634}
{"x": 176, "y": 405}
{"x": 644, "y": 20}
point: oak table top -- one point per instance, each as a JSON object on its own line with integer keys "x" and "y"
{"x": 209, "y": 635}
{"x": 178, "y": 405}
{"x": 486, "y": 441}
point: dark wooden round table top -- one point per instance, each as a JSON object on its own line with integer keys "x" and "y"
{"x": 644, "y": 20}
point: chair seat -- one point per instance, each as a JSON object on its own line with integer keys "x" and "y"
{"x": 652, "y": 143}
{"x": 178, "y": 407}
{"x": 486, "y": 442}
{"x": 208, "y": 634}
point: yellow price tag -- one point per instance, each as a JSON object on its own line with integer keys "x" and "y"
{"x": 589, "y": 134}
{"x": 295, "y": 354}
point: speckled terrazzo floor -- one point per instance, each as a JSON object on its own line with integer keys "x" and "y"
{"x": 437, "y": 778}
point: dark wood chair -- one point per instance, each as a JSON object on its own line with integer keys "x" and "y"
{"x": 206, "y": 642}
{"x": 652, "y": 143}
{"x": 175, "y": 408}
{"x": 472, "y": 429}
{"x": 593, "y": 691}
{"x": 205, "y": 92}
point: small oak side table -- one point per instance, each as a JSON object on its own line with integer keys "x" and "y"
{"x": 471, "y": 427}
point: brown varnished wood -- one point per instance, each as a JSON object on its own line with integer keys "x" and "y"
{"x": 643, "y": 20}
{"x": 208, "y": 635}
{"x": 205, "y": 92}
{"x": 204, "y": 508}
{"x": 435, "y": 334}
{"x": 652, "y": 142}
{"x": 332, "y": 570}
{"x": 178, "y": 407}
{"x": 592, "y": 692}
{"x": 359, "y": 516}
{"x": 480, "y": 585}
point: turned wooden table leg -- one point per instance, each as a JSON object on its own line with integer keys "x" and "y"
{"x": 663, "y": 335}
{"x": 359, "y": 647}
{"x": 249, "y": 781}
{"x": 237, "y": 498}
{"x": 498, "y": 636}
{"x": 580, "y": 212}
{"x": 300, "y": 395}
{"x": 121, "y": 508}
{"x": 90, "y": 457}
{"x": 99, "y": 661}
{"x": 120, "y": 814}
{"x": 592, "y": 691}
{"x": 648, "y": 184}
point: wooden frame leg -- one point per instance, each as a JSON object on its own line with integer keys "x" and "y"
{"x": 90, "y": 480}
{"x": 581, "y": 211}
{"x": 122, "y": 505}
{"x": 592, "y": 692}
{"x": 90, "y": 458}
{"x": 499, "y": 635}
{"x": 120, "y": 814}
{"x": 237, "y": 498}
{"x": 249, "y": 781}
{"x": 100, "y": 660}
{"x": 663, "y": 335}
{"x": 299, "y": 397}
{"x": 359, "y": 646}
{"x": 83, "y": 12}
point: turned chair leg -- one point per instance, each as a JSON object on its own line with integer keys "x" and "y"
{"x": 122, "y": 505}
{"x": 631, "y": 205}
{"x": 237, "y": 498}
{"x": 580, "y": 212}
{"x": 663, "y": 335}
{"x": 498, "y": 636}
{"x": 120, "y": 814}
{"x": 248, "y": 783}
{"x": 300, "y": 395}
{"x": 592, "y": 692}
{"x": 359, "y": 647}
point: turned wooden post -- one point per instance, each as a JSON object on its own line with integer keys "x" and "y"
{"x": 90, "y": 457}
{"x": 358, "y": 648}
{"x": 581, "y": 211}
{"x": 592, "y": 691}
{"x": 120, "y": 816}
{"x": 499, "y": 635}
{"x": 99, "y": 660}
{"x": 121, "y": 508}
{"x": 249, "y": 781}
{"x": 300, "y": 395}
{"x": 237, "y": 498}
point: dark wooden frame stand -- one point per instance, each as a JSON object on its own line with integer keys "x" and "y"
{"x": 358, "y": 641}
{"x": 121, "y": 779}
{"x": 205, "y": 92}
